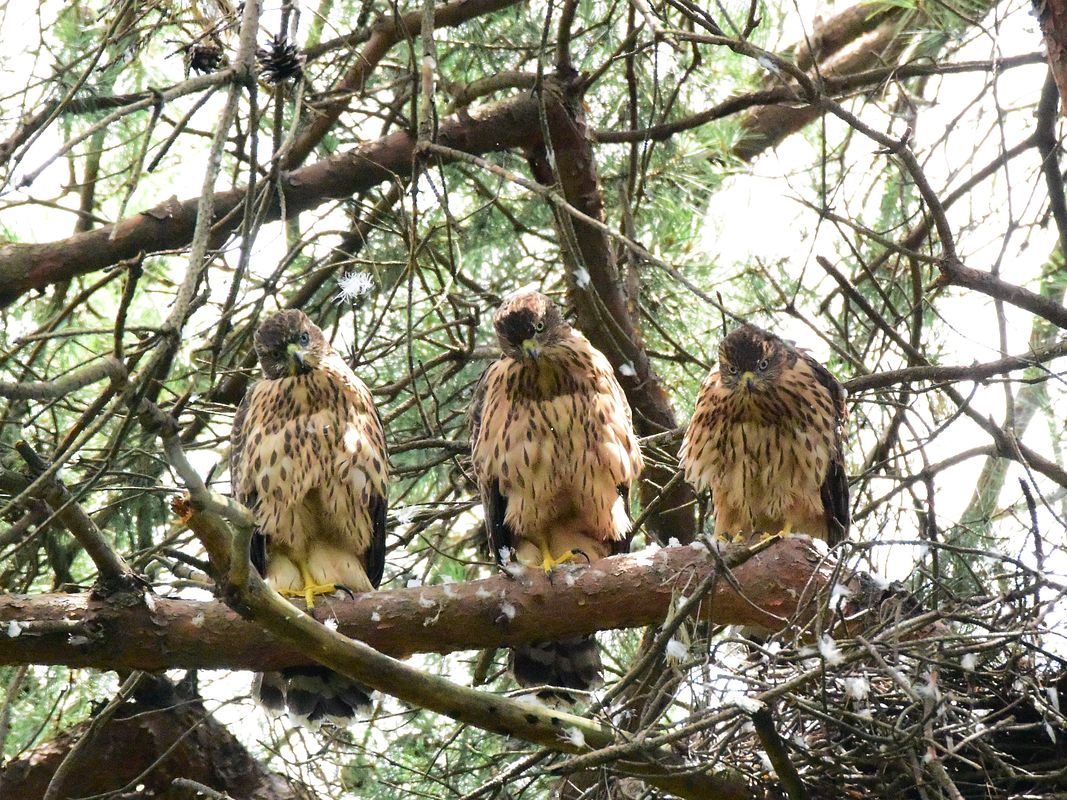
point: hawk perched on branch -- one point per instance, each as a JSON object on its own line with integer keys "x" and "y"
{"x": 554, "y": 451}
{"x": 766, "y": 438}
{"x": 309, "y": 461}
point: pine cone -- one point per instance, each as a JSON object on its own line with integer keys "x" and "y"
{"x": 280, "y": 61}
{"x": 203, "y": 58}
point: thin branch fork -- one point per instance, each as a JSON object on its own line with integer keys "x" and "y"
{"x": 113, "y": 569}
{"x": 107, "y": 367}
{"x": 973, "y": 372}
{"x": 954, "y": 273}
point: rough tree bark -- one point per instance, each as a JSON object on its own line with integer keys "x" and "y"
{"x": 155, "y": 737}
{"x": 1052, "y": 15}
{"x": 124, "y": 631}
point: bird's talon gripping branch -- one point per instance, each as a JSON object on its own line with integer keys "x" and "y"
{"x": 549, "y": 563}
{"x": 309, "y": 591}
{"x": 784, "y": 533}
{"x": 311, "y": 588}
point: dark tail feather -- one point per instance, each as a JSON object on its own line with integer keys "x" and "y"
{"x": 312, "y": 694}
{"x": 570, "y": 664}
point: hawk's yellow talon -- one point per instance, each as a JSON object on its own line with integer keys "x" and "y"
{"x": 310, "y": 587}
{"x": 548, "y": 563}
{"x": 309, "y": 591}
{"x": 784, "y": 533}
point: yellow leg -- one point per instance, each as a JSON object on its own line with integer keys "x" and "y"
{"x": 310, "y": 587}
{"x": 549, "y": 563}
{"x": 784, "y": 533}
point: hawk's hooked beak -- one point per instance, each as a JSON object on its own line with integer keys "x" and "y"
{"x": 531, "y": 348}
{"x": 749, "y": 380}
{"x": 300, "y": 360}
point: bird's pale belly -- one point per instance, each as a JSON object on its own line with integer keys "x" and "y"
{"x": 768, "y": 477}
{"x": 560, "y": 473}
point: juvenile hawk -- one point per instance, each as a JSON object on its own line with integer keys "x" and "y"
{"x": 309, "y": 460}
{"x": 554, "y": 451}
{"x": 766, "y": 438}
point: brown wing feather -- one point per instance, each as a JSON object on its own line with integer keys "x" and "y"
{"x": 834, "y": 489}
{"x": 379, "y": 504}
{"x": 498, "y": 533}
{"x": 238, "y": 434}
{"x": 243, "y": 493}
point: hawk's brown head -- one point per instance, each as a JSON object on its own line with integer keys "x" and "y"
{"x": 288, "y": 343}
{"x": 527, "y": 323}
{"x": 751, "y": 359}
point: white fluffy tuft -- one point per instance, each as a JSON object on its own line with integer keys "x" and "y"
{"x": 857, "y": 688}
{"x": 352, "y": 285}
{"x": 575, "y": 737}
{"x": 676, "y": 650}
{"x": 829, "y": 651}
{"x": 750, "y": 705}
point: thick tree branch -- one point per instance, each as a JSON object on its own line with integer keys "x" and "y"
{"x": 953, "y": 273}
{"x": 389, "y": 30}
{"x": 153, "y": 739}
{"x": 24, "y": 267}
{"x": 1052, "y": 15}
{"x": 84, "y": 630}
{"x": 833, "y": 85}
{"x": 858, "y": 48}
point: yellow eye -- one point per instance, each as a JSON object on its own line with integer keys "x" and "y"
{"x": 539, "y": 326}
